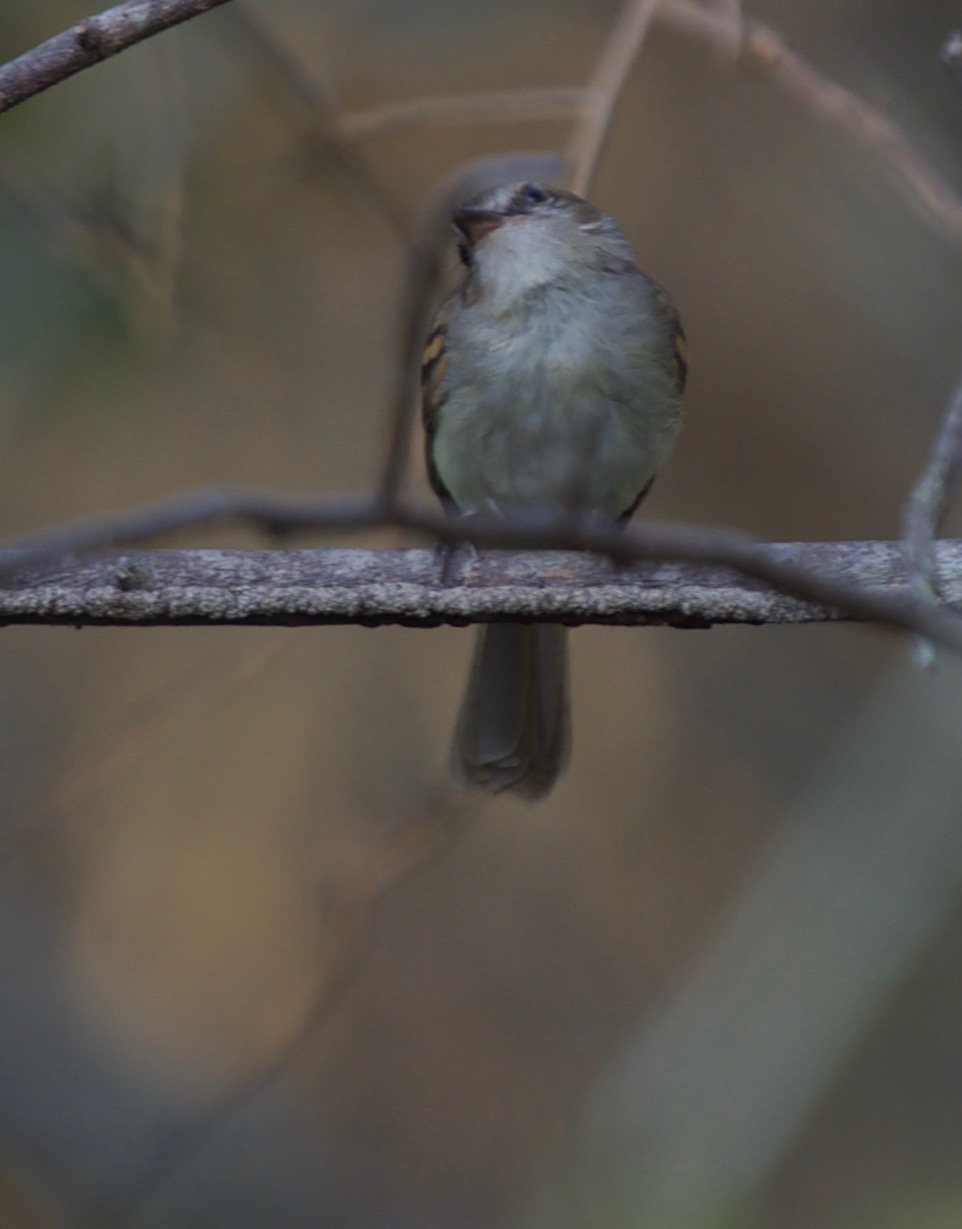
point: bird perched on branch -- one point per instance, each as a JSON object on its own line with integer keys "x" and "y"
{"x": 552, "y": 379}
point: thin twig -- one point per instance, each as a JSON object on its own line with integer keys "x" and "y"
{"x": 929, "y": 498}
{"x": 317, "y": 108}
{"x": 269, "y": 512}
{"x": 732, "y": 9}
{"x": 764, "y": 49}
{"x": 488, "y": 107}
{"x": 733, "y": 12}
{"x": 926, "y": 506}
{"x": 112, "y": 31}
{"x": 604, "y": 91}
{"x": 81, "y": 232}
{"x": 90, "y": 41}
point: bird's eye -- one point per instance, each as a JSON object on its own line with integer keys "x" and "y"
{"x": 531, "y": 194}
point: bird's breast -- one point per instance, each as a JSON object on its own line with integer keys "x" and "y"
{"x": 547, "y": 415}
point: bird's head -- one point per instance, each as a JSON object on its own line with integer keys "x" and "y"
{"x": 515, "y": 238}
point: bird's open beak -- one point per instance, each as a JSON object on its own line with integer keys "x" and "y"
{"x": 474, "y": 224}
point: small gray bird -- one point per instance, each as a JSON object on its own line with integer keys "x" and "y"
{"x": 552, "y": 377}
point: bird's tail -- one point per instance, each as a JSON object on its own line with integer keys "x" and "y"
{"x": 513, "y": 730}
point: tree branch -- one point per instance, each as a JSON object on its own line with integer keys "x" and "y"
{"x": 550, "y": 102}
{"x": 604, "y": 92}
{"x": 314, "y": 104}
{"x": 927, "y": 502}
{"x": 90, "y": 41}
{"x": 722, "y": 25}
{"x": 374, "y": 588}
{"x": 765, "y": 50}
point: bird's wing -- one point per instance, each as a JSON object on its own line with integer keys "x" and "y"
{"x": 679, "y": 344}
{"x": 434, "y": 358}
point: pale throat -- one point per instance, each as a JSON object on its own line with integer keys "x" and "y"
{"x": 515, "y": 259}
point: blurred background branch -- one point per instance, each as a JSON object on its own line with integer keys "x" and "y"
{"x": 763, "y": 49}
{"x": 605, "y": 89}
{"x": 864, "y": 869}
{"x": 315, "y": 106}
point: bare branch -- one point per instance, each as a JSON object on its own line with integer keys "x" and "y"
{"x": 317, "y": 109}
{"x": 608, "y": 81}
{"x": 929, "y": 498}
{"x": 732, "y": 9}
{"x": 733, "y": 12}
{"x": 488, "y": 107}
{"x": 764, "y": 49}
{"x": 90, "y": 41}
{"x": 114, "y": 30}
{"x": 927, "y": 504}
{"x": 282, "y": 515}
{"x": 272, "y": 514}
{"x": 830, "y": 580}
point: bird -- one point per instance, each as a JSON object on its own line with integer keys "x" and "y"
{"x": 552, "y": 377}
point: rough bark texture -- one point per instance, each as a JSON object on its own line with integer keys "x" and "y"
{"x": 375, "y": 587}
{"x": 90, "y": 41}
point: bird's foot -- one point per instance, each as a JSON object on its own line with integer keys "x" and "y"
{"x": 456, "y": 561}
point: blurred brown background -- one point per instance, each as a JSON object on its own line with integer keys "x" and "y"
{"x": 187, "y": 296}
